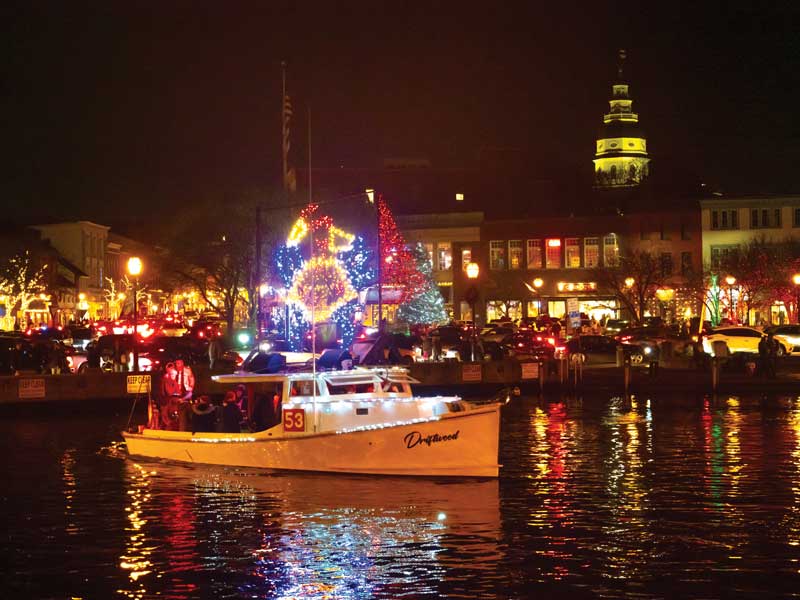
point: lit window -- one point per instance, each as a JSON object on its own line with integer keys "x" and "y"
{"x": 497, "y": 255}
{"x": 573, "y": 253}
{"x": 591, "y": 253}
{"x": 459, "y": 197}
{"x": 610, "y": 250}
{"x": 445, "y": 255}
{"x": 515, "y": 254}
{"x": 535, "y": 254}
{"x": 553, "y": 256}
{"x": 429, "y": 250}
{"x": 466, "y": 258}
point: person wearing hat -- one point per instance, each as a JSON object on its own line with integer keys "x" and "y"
{"x": 231, "y": 415}
{"x": 204, "y": 415}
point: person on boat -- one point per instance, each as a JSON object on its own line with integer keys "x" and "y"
{"x": 169, "y": 398}
{"x": 185, "y": 379}
{"x": 241, "y": 398}
{"x": 231, "y": 415}
{"x": 204, "y": 415}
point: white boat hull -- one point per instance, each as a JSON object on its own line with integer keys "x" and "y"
{"x": 462, "y": 444}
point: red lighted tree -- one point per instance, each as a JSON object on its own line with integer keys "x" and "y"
{"x": 398, "y": 265}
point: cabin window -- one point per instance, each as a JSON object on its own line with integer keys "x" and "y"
{"x": 302, "y": 388}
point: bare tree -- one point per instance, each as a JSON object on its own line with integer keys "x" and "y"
{"x": 633, "y": 281}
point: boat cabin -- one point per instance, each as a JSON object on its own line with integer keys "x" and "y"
{"x": 336, "y": 401}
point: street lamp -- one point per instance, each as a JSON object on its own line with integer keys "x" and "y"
{"x": 538, "y": 283}
{"x": 473, "y": 270}
{"x": 796, "y": 282}
{"x": 731, "y": 281}
{"x": 629, "y": 281}
{"x": 135, "y": 269}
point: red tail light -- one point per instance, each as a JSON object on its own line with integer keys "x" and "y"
{"x": 520, "y": 345}
{"x": 200, "y": 334}
{"x": 624, "y": 338}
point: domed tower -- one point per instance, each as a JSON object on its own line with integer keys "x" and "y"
{"x": 621, "y": 157}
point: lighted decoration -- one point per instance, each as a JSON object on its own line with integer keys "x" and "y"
{"x": 328, "y": 239}
{"x": 21, "y": 283}
{"x": 346, "y": 317}
{"x": 321, "y": 286}
{"x": 398, "y": 265}
{"x": 427, "y": 306}
{"x": 359, "y": 261}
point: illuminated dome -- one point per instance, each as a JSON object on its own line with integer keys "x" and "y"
{"x": 621, "y": 152}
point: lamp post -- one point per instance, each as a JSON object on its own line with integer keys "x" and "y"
{"x": 731, "y": 281}
{"x": 537, "y": 284}
{"x": 473, "y": 270}
{"x": 135, "y": 269}
{"x": 796, "y": 282}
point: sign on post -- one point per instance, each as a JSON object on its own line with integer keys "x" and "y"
{"x": 471, "y": 373}
{"x": 138, "y": 384}
{"x": 530, "y": 370}
{"x": 573, "y": 310}
{"x": 31, "y": 388}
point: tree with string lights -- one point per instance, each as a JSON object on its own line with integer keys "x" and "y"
{"x": 427, "y": 306}
{"x": 398, "y": 265}
{"x": 21, "y": 282}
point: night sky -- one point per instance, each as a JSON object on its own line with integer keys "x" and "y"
{"x": 137, "y": 108}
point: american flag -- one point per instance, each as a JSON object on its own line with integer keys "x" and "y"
{"x": 289, "y": 177}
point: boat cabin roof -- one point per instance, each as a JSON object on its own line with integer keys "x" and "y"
{"x": 357, "y": 376}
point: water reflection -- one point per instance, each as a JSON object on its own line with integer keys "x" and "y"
{"x": 136, "y": 558}
{"x": 628, "y": 538}
{"x": 308, "y": 536}
{"x": 645, "y": 497}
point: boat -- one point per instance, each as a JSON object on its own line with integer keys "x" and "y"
{"x": 360, "y": 421}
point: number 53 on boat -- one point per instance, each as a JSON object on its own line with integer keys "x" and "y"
{"x": 363, "y": 421}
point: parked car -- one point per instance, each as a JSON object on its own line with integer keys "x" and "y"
{"x": 388, "y": 348}
{"x": 601, "y": 349}
{"x": 614, "y": 326}
{"x": 160, "y": 350}
{"x": 529, "y": 346}
{"x": 500, "y": 334}
{"x": 788, "y": 335}
{"x": 452, "y": 342}
{"x": 81, "y": 336}
{"x": 16, "y": 354}
{"x": 741, "y": 339}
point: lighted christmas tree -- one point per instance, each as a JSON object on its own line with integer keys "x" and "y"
{"x": 398, "y": 266}
{"x": 427, "y": 306}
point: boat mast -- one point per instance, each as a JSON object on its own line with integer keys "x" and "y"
{"x": 313, "y": 292}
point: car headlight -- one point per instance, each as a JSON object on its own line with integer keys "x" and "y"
{"x": 244, "y": 338}
{"x": 264, "y": 347}
{"x": 647, "y": 350}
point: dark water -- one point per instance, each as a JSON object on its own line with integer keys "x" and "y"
{"x": 663, "y": 497}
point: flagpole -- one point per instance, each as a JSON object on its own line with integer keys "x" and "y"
{"x": 283, "y": 171}
{"x": 283, "y": 130}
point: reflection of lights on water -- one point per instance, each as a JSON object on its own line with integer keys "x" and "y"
{"x": 630, "y": 442}
{"x": 136, "y": 559}
{"x": 68, "y": 475}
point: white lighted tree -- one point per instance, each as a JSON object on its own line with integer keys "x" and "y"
{"x": 21, "y": 283}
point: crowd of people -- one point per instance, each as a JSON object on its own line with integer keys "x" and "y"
{"x": 176, "y": 408}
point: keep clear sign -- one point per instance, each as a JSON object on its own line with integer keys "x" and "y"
{"x": 31, "y": 388}
{"x": 138, "y": 384}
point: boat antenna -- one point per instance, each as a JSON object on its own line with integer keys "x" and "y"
{"x": 313, "y": 331}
